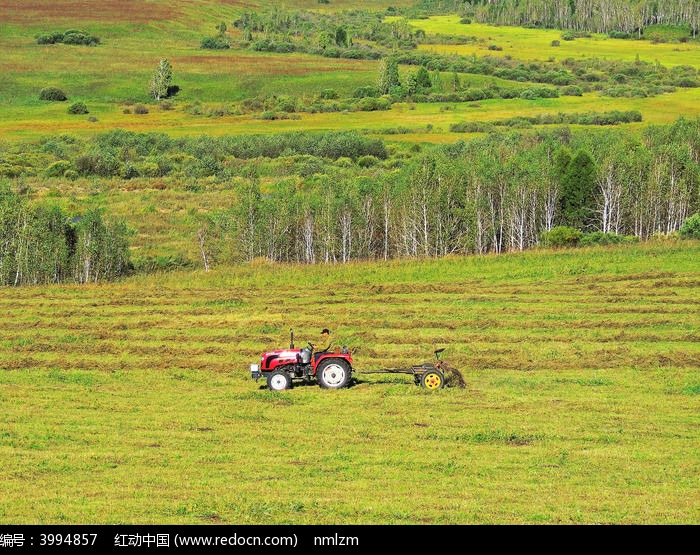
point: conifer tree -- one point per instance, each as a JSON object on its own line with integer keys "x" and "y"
{"x": 578, "y": 190}
{"x": 388, "y": 75}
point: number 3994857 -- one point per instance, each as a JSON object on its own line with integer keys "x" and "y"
{"x": 67, "y": 539}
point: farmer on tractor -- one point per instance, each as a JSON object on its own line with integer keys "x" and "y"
{"x": 324, "y": 344}
{"x": 322, "y": 362}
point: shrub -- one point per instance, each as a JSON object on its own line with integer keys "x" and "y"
{"x": 72, "y": 36}
{"x": 129, "y": 171}
{"x": 96, "y": 162}
{"x": 58, "y": 169}
{"x": 561, "y": 236}
{"x": 306, "y": 166}
{"x": 397, "y": 91}
{"x": 78, "y": 108}
{"x": 367, "y": 91}
{"x": 600, "y": 238}
{"x": 555, "y": 43}
{"x": 474, "y": 93}
{"x": 52, "y": 93}
{"x": 49, "y": 38}
{"x": 572, "y": 90}
{"x": 10, "y": 170}
{"x": 471, "y": 127}
{"x": 371, "y": 104}
{"x": 686, "y": 82}
{"x": 367, "y": 161}
{"x": 268, "y": 115}
{"x": 329, "y": 94}
{"x": 140, "y": 109}
{"x": 220, "y": 111}
{"x": 691, "y": 227}
{"x": 214, "y": 43}
{"x": 286, "y": 104}
{"x": 80, "y": 37}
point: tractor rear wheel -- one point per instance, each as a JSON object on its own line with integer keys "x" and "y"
{"x": 433, "y": 379}
{"x": 333, "y": 373}
{"x": 279, "y": 380}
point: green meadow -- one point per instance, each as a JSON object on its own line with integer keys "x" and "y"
{"x": 114, "y": 75}
{"x": 132, "y": 402}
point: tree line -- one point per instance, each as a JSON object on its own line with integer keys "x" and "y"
{"x": 598, "y": 16}
{"x": 341, "y": 196}
{"x": 130, "y": 155}
{"x": 41, "y": 244}
{"x": 495, "y": 194}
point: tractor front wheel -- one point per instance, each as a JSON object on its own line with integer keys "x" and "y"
{"x": 279, "y": 380}
{"x": 333, "y": 373}
{"x": 433, "y": 379}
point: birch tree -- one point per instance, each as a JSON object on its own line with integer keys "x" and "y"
{"x": 161, "y": 80}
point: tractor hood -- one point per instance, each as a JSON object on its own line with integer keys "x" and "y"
{"x": 272, "y": 359}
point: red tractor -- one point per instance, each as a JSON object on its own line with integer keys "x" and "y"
{"x": 331, "y": 370}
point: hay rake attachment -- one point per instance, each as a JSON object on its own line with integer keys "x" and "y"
{"x": 430, "y": 375}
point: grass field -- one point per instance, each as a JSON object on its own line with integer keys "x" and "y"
{"x": 536, "y": 44}
{"x": 117, "y": 72}
{"x": 19, "y": 125}
{"x": 132, "y": 402}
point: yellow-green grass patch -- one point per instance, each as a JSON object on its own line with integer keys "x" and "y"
{"x": 24, "y": 123}
{"x": 536, "y": 44}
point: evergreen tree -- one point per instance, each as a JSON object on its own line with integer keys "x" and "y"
{"x": 388, "y": 75}
{"x": 578, "y": 190}
{"x": 423, "y": 80}
{"x": 341, "y": 37}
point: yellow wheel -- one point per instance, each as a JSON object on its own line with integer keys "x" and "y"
{"x": 433, "y": 379}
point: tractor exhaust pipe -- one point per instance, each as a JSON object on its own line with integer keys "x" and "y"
{"x": 291, "y": 338}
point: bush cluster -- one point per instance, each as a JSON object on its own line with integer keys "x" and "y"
{"x": 691, "y": 227}
{"x": 275, "y": 106}
{"x": 283, "y": 46}
{"x": 563, "y": 237}
{"x": 614, "y": 117}
{"x": 130, "y": 155}
{"x": 53, "y": 94}
{"x": 215, "y": 43}
{"x": 588, "y": 74}
{"x": 78, "y": 108}
{"x": 72, "y": 36}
